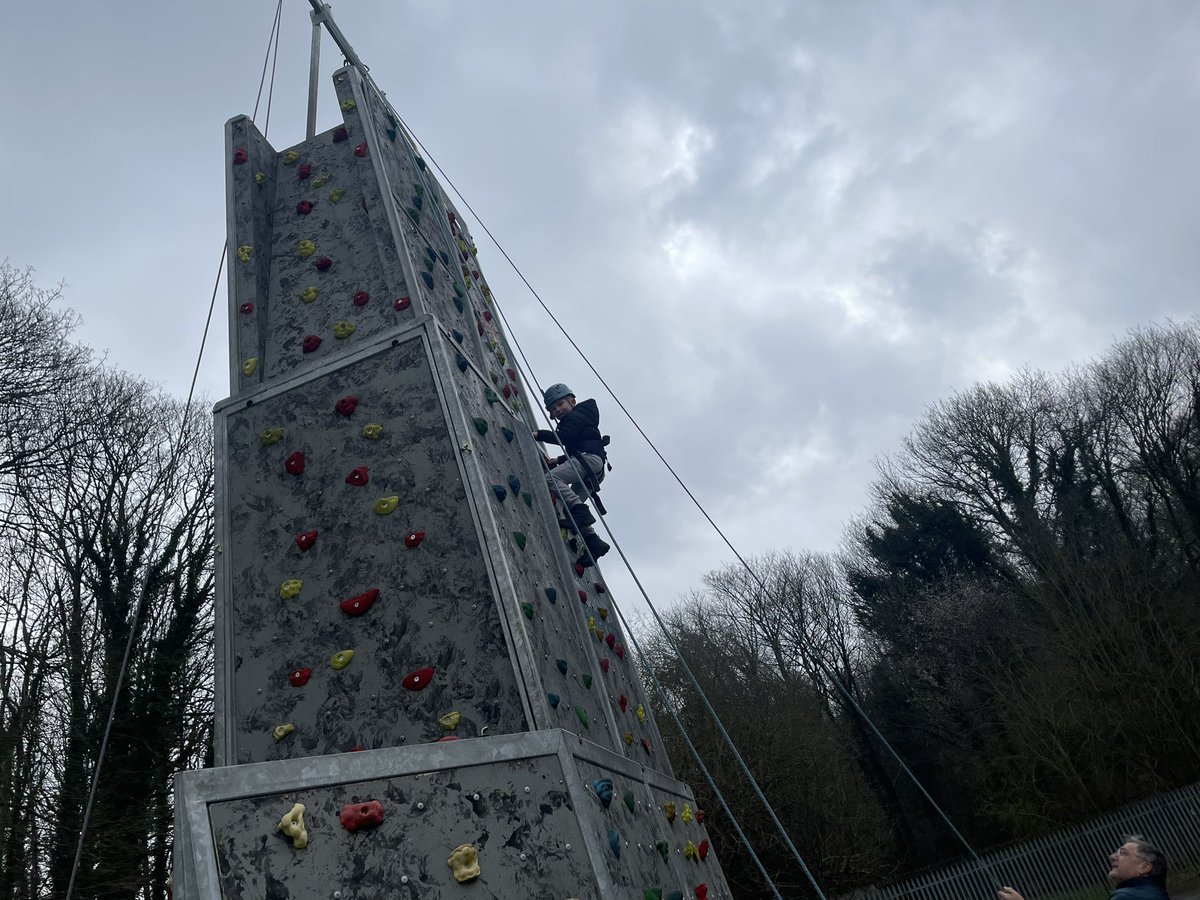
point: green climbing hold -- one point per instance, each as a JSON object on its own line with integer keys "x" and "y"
{"x": 528, "y": 498}
{"x": 480, "y": 424}
{"x": 653, "y": 893}
{"x": 519, "y": 537}
{"x": 527, "y": 608}
{"x": 664, "y": 849}
{"x": 457, "y": 290}
{"x": 630, "y": 801}
{"x": 587, "y": 681}
{"x": 583, "y": 716}
{"x": 490, "y": 396}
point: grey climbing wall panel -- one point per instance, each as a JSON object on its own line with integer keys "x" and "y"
{"x": 392, "y": 575}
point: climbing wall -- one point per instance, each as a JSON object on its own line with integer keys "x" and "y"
{"x": 394, "y": 585}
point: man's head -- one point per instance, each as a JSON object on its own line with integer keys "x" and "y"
{"x": 559, "y": 400}
{"x": 1137, "y": 857}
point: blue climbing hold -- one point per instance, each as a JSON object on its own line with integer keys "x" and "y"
{"x": 508, "y": 433}
{"x": 604, "y": 790}
{"x": 554, "y": 699}
{"x": 461, "y": 362}
{"x": 428, "y": 279}
{"x": 457, "y": 335}
{"x": 562, "y": 665}
{"x": 515, "y": 483}
{"x": 551, "y": 595}
{"x": 458, "y": 304}
{"x": 499, "y": 491}
{"x": 614, "y": 841}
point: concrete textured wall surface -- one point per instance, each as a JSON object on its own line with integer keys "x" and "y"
{"x": 392, "y": 577}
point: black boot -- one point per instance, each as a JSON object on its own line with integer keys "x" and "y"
{"x": 581, "y": 516}
{"x": 596, "y": 549}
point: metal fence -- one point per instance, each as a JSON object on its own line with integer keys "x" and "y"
{"x": 1071, "y": 863}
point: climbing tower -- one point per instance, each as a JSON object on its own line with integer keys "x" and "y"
{"x": 417, "y": 694}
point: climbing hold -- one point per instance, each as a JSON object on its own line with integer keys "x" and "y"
{"x": 580, "y": 568}
{"x": 583, "y": 598}
{"x": 528, "y": 498}
{"x": 611, "y": 640}
{"x": 336, "y": 194}
{"x": 464, "y": 863}
{"x": 620, "y": 651}
{"x": 604, "y": 666}
{"x": 583, "y": 716}
{"x": 340, "y": 134}
{"x": 587, "y": 680}
{"x": 414, "y": 538}
{"x": 420, "y": 163}
{"x": 506, "y": 391}
{"x": 385, "y": 506}
{"x": 341, "y": 659}
{"x": 372, "y": 430}
{"x": 457, "y": 335}
{"x": 246, "y": 308}
{"x": 320, "y": 181}
{"x": 690, "y": 852}
{"x": 271, "y": 436}
{"x": 358, "y": 476}
{"x": 520, "y": 538}
{"x": 508, "y": 433}
{"x": 702, "y": 892}
{"x": 640, "y": 712}
{"x": 309, "y": 294}
{"x": 310, "y": 343}
{"x": 290, "y": 157}
{"x": 348, "y": 105}
{"x": 527, "y": 608}
{"x": 402, "y": 304}
{"x": 515, "y": 483}
{"x": 304, "y": 207}
{"x": 356, "y": 606}
{"x": 664, "y": 849}
{"x": 653, "y": 893}
{"x": 686, "y": 815}
{"x": 490, "y": 396}
{"x": 357, "y": 816}
{"x": 628, "y": 738}
{"x": 413, "y": 214}
{"x": 428, "y": 279}
{"x": 603, "y": 610}
{"x": 347, "y": 405}
{"x": 669, "y": 811}
{"x": 624, "y": 702}
{"x": 461, "y": 362}
{"x": 306, "y": 539}
{"x": 614, "y": 842}
{"x": 303, "y": 170}
{"x": 630, "y": 800}
{"x": 279, "y": 732}
{"x": 418, "y": 680}
{"x": 449, "y": 737}
{"x": 699, "y": 816}
{"x": 604, "y": 790}
{"x": 647, "y": 746}
{"x": 551, "y": 595}
{"x": 360, "y": 298}
{"x": 292, "y": 824}
{"x": 244, "y": 252}
{"x": 702, "y": 850}
{"x": 481, "y": 424}
{"x": 240, "y": 156}
{"x": 554, "y": 700}
{"x": 299, "y": 677}
{"x": 260, "y": 177}
{"x": 343, "y": 329}
{"x": 361, "y": 150}
{"x": 323, "y": 264}
{"x": 675, "y": 895}
{"x": 290, "y": 588}
{"x": 306, "y": 248}
{"x": 450, "y": 720}
{"x": 562, "y": 665}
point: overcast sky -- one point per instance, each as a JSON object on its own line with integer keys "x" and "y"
{"x": 780, "y": 230}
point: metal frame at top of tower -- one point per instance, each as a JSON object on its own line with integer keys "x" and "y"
{"x": 322, "y": 15}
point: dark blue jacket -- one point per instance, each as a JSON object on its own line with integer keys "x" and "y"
{"x": 1141, "y": 888}
{"x": 578, "y": 431}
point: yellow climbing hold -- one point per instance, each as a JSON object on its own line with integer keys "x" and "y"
{"x": 320, "y": 181}
{"x": 290, "y": 588}
{"x": 336, "y": 194}
{"x": 348, "y": 105}
{"x": 691, "y": 851}
{"x": 279, "y": 732}
{"x": 641, "y": 712}
{"x": 372, "y": 430}
{"x": 309, "y": 294}
{"x": 686, "y": 815}
{"x": 669, "y": 811}
{"x": 341, "y": 659}
{"x": 450, "y": 720}
{"x": 592, "y": 624}
{"x": 603, "y": 610}
{"x": 290, "y": 157}
{"x": 292, "y": 824}
{"x": 343, "y": 329}
{"x": 306, "y": 249}
{"x": 464, "y": 863}
{"x": 249, "y": 366}
{"x": 271, "y": 436}
{"x": 628, "y": 736}
{"x": 244, "y": 251}
{"x": 260, "y": 177}
{"x": 385, "y": 506}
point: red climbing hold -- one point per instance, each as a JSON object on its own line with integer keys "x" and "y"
{"x": 402, "y": 304}
{"x": 361, "y": 150}
{"x": 620, "y": 651}
{"x": 300, "y": 677}
{"x": 304, "y": 207}
{"x": 323, "y": 264}
{"x": 358, "y": 476}
{"x": 356, "y": 606}
{"x": 361, "y": 298}
{"x": 702, "y": 892}
{"x": 646, "y": 745}
{"x": 599, "y": 586}
{"x": 580, "y": 568}
{"x": 699, "y": 817}
{"x": 356, "y": 749}
{"x": 507, "y": 391}
{"x": 340, "y": 134}
{"x": 357, "y": 816}
{"x": 583, "y": 596}
{"x": 449, "y": 737}
{"x": 294, "y": 463}
{"x": 487, "y": 315}
{"x": 624, "y": 701}
{"x": 347, "y": 405}
{"x": 604, "y": 665}
{"x": 511, "y": 373}
{"x": 240, "y": 156}
{"x": 702, "y": 850}
{"x": 418, "y": 680}
{"x": 413, "y": 539}
{"x": 610, "y": 639}
{"x": 303, "y": 170}
{"x": 310, "y": 343}
{"x": 246, "y": 308}
{"x": 306, "y": 539}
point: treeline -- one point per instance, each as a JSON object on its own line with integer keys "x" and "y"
{"x": 105, "y": 520}
{"x": 1018, "y": 613}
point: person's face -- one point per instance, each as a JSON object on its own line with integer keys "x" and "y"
{"x": 562, "y": 406}
{"x": 1126, "y": 864}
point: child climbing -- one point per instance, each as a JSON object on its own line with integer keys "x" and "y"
{"x": 579, "y": 472}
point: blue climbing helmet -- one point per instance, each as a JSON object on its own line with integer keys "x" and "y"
{"x": 556, "y": 392}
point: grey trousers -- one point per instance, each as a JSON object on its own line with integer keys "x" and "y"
{"x": 566, "y": 479}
